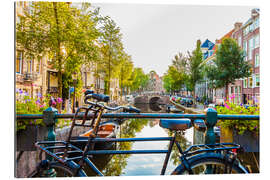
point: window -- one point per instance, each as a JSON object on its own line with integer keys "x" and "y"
{"x": 245, "y": 49}
{"x": 19, "y": 60}
{"x": 250, "y": 48}
{"x": 246, "y": 30}
{"x": 251, "y": 27}
{"x": 250, "y": 82}
{"x": 256, "y": 23}
{"x": 210, "y": 53}
{"x": 257, "y": 80}
{"x": 38, "y": 66}
{"x": 257, "y": 60}
{"x": 29, "y": 66}
{"x": 236, "y": 89}
{"x": 245, "y": 83}
{"x": 257, "y": 41}
{"x": 240, "y": 41}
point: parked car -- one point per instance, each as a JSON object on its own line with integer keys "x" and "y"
{"x": 129, "y": 98}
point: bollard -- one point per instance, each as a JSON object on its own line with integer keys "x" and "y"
{"x": 211, "y": 120}
{"x": 49, "y": 120}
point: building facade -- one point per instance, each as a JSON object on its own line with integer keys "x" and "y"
{"x": 247, "y": 90}
{"x": 247, "y": 35}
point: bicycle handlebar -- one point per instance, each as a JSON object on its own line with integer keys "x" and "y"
{"x": 104, "y": 98}
{"x": 98, "y": 97}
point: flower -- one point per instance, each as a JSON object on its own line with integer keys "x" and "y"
{"x": 59, "y": 100}
{"x": 37, "y": 101}
{"x": 20, "y": 91}
{"x": 226, "y": 105}
{"x": 39, "y": 95}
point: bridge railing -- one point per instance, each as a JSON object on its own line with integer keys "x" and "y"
{"x": 211, "y": 117}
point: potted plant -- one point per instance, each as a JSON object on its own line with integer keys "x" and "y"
{"x": 243, "y": 132}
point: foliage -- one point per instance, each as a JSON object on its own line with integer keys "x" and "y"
{"x": 61, "y": 32}
{"x": 111, "y": 49}
{"x": 140, "y": 79}
{"x": 229, "y": 65}
{"x": 27, "y": 105}
{"x": 240, "y": 125}
{"x": 194, "y": 64}
{"x": 176, "y": 75}
{"x": 125, "y": 72}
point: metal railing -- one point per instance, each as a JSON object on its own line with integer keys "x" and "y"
{"x": 211, "y": 117}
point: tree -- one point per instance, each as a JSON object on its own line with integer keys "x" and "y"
{"x": 229, "y": 65}
{"x": 125, "y": 72}
{"x": 176, "y": 75}
{"x": 140, "y": 79}
{"x": 63, "y": 33}
{"x": 112, "y": 47}
{"x": 195, "y": 68}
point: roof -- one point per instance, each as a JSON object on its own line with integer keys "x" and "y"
{"x": 229, "y": 34}
{"x": 207, "y": 44}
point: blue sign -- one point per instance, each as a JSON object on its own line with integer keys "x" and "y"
{"x": 71, "y": 89}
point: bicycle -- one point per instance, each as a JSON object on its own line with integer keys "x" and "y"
{"x": 219, "y": 158}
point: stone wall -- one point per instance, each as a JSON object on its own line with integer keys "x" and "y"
{"x": 29, "y": 159}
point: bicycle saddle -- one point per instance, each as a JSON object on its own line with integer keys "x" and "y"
{"x": 175, "y": 124}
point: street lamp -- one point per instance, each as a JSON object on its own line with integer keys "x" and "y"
{"x": 74, "y": 78}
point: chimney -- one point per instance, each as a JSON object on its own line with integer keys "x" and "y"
{"x": 254, "y": 12}
{"x": 237, "y": 26}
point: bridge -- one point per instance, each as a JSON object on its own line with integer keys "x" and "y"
{"x": 149, "y": 98}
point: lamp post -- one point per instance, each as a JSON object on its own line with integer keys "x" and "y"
{"x": 74, "y": 77}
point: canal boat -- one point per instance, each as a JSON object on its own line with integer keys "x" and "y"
{"x": 107, "y": 129}
{"x": 173, "y": 109}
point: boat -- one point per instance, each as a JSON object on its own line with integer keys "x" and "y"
{"x": 173, "y": 109}
{"x": 107, "y": 129}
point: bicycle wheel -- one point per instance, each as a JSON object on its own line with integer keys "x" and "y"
{"x": 210, "y": 163}
{"x": 56, "y": 170}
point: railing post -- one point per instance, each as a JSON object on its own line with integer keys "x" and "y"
{"x": 211, "y": 120}
{"x": 210, "y": 137}
{"x": 49, "y": 120}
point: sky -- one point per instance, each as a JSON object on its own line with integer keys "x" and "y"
{"x": 154, "y": 33}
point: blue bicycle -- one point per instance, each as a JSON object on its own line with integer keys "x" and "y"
{"x": 69, "y": 158}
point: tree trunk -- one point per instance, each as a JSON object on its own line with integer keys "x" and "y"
{"x": 58, "y": 56}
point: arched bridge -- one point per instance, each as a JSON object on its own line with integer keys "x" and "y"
{"x": 151, "y": 99}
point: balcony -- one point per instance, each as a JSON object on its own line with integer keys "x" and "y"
{"x": 30, "y": 77}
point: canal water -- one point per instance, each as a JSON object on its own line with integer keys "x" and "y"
{"x": 142, "y": 164}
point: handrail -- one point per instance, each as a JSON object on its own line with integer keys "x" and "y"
{"x": 211, "y": 117}
{"x": 143, "y": 115}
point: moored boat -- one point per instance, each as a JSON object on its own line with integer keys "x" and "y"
{"x": 107, "y": 129}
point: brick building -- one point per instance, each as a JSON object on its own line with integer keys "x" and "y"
{"x": 247, "y": 90}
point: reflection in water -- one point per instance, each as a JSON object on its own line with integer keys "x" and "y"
{"x": 140, "y": 164}
{"x": 151, "y": 107}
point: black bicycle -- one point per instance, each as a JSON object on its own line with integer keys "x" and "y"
{"x": 67, "y": 159}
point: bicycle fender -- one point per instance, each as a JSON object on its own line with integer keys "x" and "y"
{"x": 182, "y": 166}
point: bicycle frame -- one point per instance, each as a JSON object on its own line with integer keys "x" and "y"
{"x": 167, "y": 152}
{"x": 89, "y": 148}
